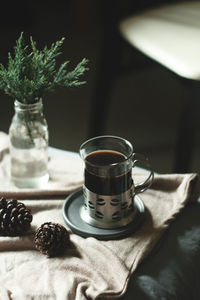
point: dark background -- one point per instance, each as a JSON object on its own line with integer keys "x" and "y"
{"x": 144, "y": 104}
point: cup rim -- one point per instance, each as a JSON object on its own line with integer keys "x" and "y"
{"x": 107, "y": 136}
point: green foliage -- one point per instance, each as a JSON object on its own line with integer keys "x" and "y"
{"x": 31, "y": 74}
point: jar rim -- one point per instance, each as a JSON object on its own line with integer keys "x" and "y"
{"x": 28, "y": 106}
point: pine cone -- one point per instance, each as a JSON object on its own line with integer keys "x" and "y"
{"x": 51, "y": 239}
{"x": 15, "y": 218}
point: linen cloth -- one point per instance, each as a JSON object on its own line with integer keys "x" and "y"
{"x": 89, "y": 268}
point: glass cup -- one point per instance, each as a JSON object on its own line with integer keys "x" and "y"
{"x": 109, "y": 187}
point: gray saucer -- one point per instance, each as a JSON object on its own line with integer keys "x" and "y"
{"x": 71, "y": 214}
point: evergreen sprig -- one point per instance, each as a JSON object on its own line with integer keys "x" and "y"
{"x": 31, "y": 73}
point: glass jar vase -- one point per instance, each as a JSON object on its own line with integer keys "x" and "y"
{"x": 28, "y": 134}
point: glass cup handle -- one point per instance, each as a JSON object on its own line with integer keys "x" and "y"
{"x": 140, "y": 159}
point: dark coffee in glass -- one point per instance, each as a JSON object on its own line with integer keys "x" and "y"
{"x": 109, "y": 189}
{"x": 107, "y": 184}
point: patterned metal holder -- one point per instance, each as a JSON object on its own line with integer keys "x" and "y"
{"x": 108, "y": 206}
{"x": 74, "y": 211}
{"x": 108, "y": 211}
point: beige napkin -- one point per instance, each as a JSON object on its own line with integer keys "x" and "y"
{"x": 89, "y": 268}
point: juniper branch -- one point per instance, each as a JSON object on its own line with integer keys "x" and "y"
{"x": 31, "y": 72}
